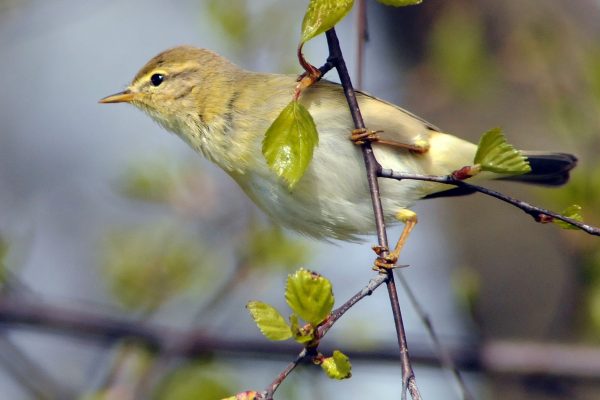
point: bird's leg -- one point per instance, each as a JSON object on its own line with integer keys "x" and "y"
{"x": 389, "y": 261}
{"x": 360, "y": 136}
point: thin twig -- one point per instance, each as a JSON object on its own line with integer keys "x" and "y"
{"x": 443, "y": 353}
{"x": 537, "y": 213}
{"x": 268, "y": 394}
{"x": 372, "y": 168}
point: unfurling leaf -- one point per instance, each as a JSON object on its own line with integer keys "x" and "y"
{"x": 323, "y": 15}
{"x": 289, "y": 143}
{"x": 495, "y": 154}
{"x": 270, "y": 322}
{"x": 573, "y": 212}
{"x": 400, "y": 3}
{"x": 301, "y": 334}
{"x": 338, "y": 366}
{"x": 310, "y": 296}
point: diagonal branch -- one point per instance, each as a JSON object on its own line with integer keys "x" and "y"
{"x": 539, "y": 214}
{"x": 373, "y": 167}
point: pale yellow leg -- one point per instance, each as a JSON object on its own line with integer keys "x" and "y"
{"x": 410, "y": 221}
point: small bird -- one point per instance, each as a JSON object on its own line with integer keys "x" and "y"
{"x": 223, "y": 112}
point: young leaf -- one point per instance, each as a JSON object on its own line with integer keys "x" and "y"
{"x": 289, "y": 142}
{"x": 338, "y": 366}
{"x": 269, "y": 321}
{"x": 400, "y": 3}
{"x": 310, "y": 296}
{"x": 495, "y": 154}
{"x": 322, "y": 15}
{"x": 301, "y": 335}
{"x": 573, "y": 212}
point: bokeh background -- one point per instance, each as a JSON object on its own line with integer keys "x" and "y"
{"x": 104, "y": 214}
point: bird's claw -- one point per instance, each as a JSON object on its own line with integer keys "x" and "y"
{"x": 385, "y": 260}
{"x": 362, "y": 136}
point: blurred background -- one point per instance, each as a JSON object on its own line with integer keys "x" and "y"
{"x": 111, "y": 228}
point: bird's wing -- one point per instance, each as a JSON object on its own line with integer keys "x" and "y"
{"x": 396, "y": 124}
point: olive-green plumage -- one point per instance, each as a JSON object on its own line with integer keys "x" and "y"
{"x": 223, "y": 112}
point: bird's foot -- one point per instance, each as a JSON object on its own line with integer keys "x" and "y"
{"x": 362, "y": 136}
{"x": 385, "y": 260}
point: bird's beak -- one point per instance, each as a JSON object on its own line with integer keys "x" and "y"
{"x": 122, "y": 97}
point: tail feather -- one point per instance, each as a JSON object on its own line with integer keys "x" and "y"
{"x": 547, "y": 169}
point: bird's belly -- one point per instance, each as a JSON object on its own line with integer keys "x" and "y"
{"x": 328, "y": 202}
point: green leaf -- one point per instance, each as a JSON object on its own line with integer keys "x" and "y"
{"x": 270, "y": 322}
{"x": 338, "y": 366}
{"x": 289, "y": 142}
{"x": 323, "y": 15}
{"x": 310, "y": 296}
{"x": 400, "y": 3}
{"x": 573, "y": 212}
{"x": 495, "y": 154}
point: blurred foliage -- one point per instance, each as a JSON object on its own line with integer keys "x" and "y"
{"x": 466, "y": 284}
{"x": 243, "y": 22}
{"x": 268, "y": 246}
{"x": 195, "y": 381}
{"x": 154, "y": 180}
{"x": 182, "y": 185}
{"x": 127, "y": 373}
{"x": 146, "y": 267}
{"x": 233, "y": 17}
{"x": 543, "y": 57}
{"x": 458, "y": 52}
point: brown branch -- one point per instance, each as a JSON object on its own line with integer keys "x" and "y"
{"x": 372, "y": 168}
{"x": 537, "y": 213}
{"x": 268, "y": 394}
{"x": 521, "y": 358}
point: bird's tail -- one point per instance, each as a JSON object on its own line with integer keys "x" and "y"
{"x": 548, "y": 169}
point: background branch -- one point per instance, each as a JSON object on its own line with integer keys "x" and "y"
{"x": 511, "y": 357}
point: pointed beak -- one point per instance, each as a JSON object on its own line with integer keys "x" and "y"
{"x": 122, "y": 97}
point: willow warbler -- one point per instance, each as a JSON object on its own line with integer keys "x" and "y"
{"x": 223, "y": 112}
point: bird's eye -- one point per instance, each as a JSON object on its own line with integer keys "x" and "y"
{"x": 157, "y": 79}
